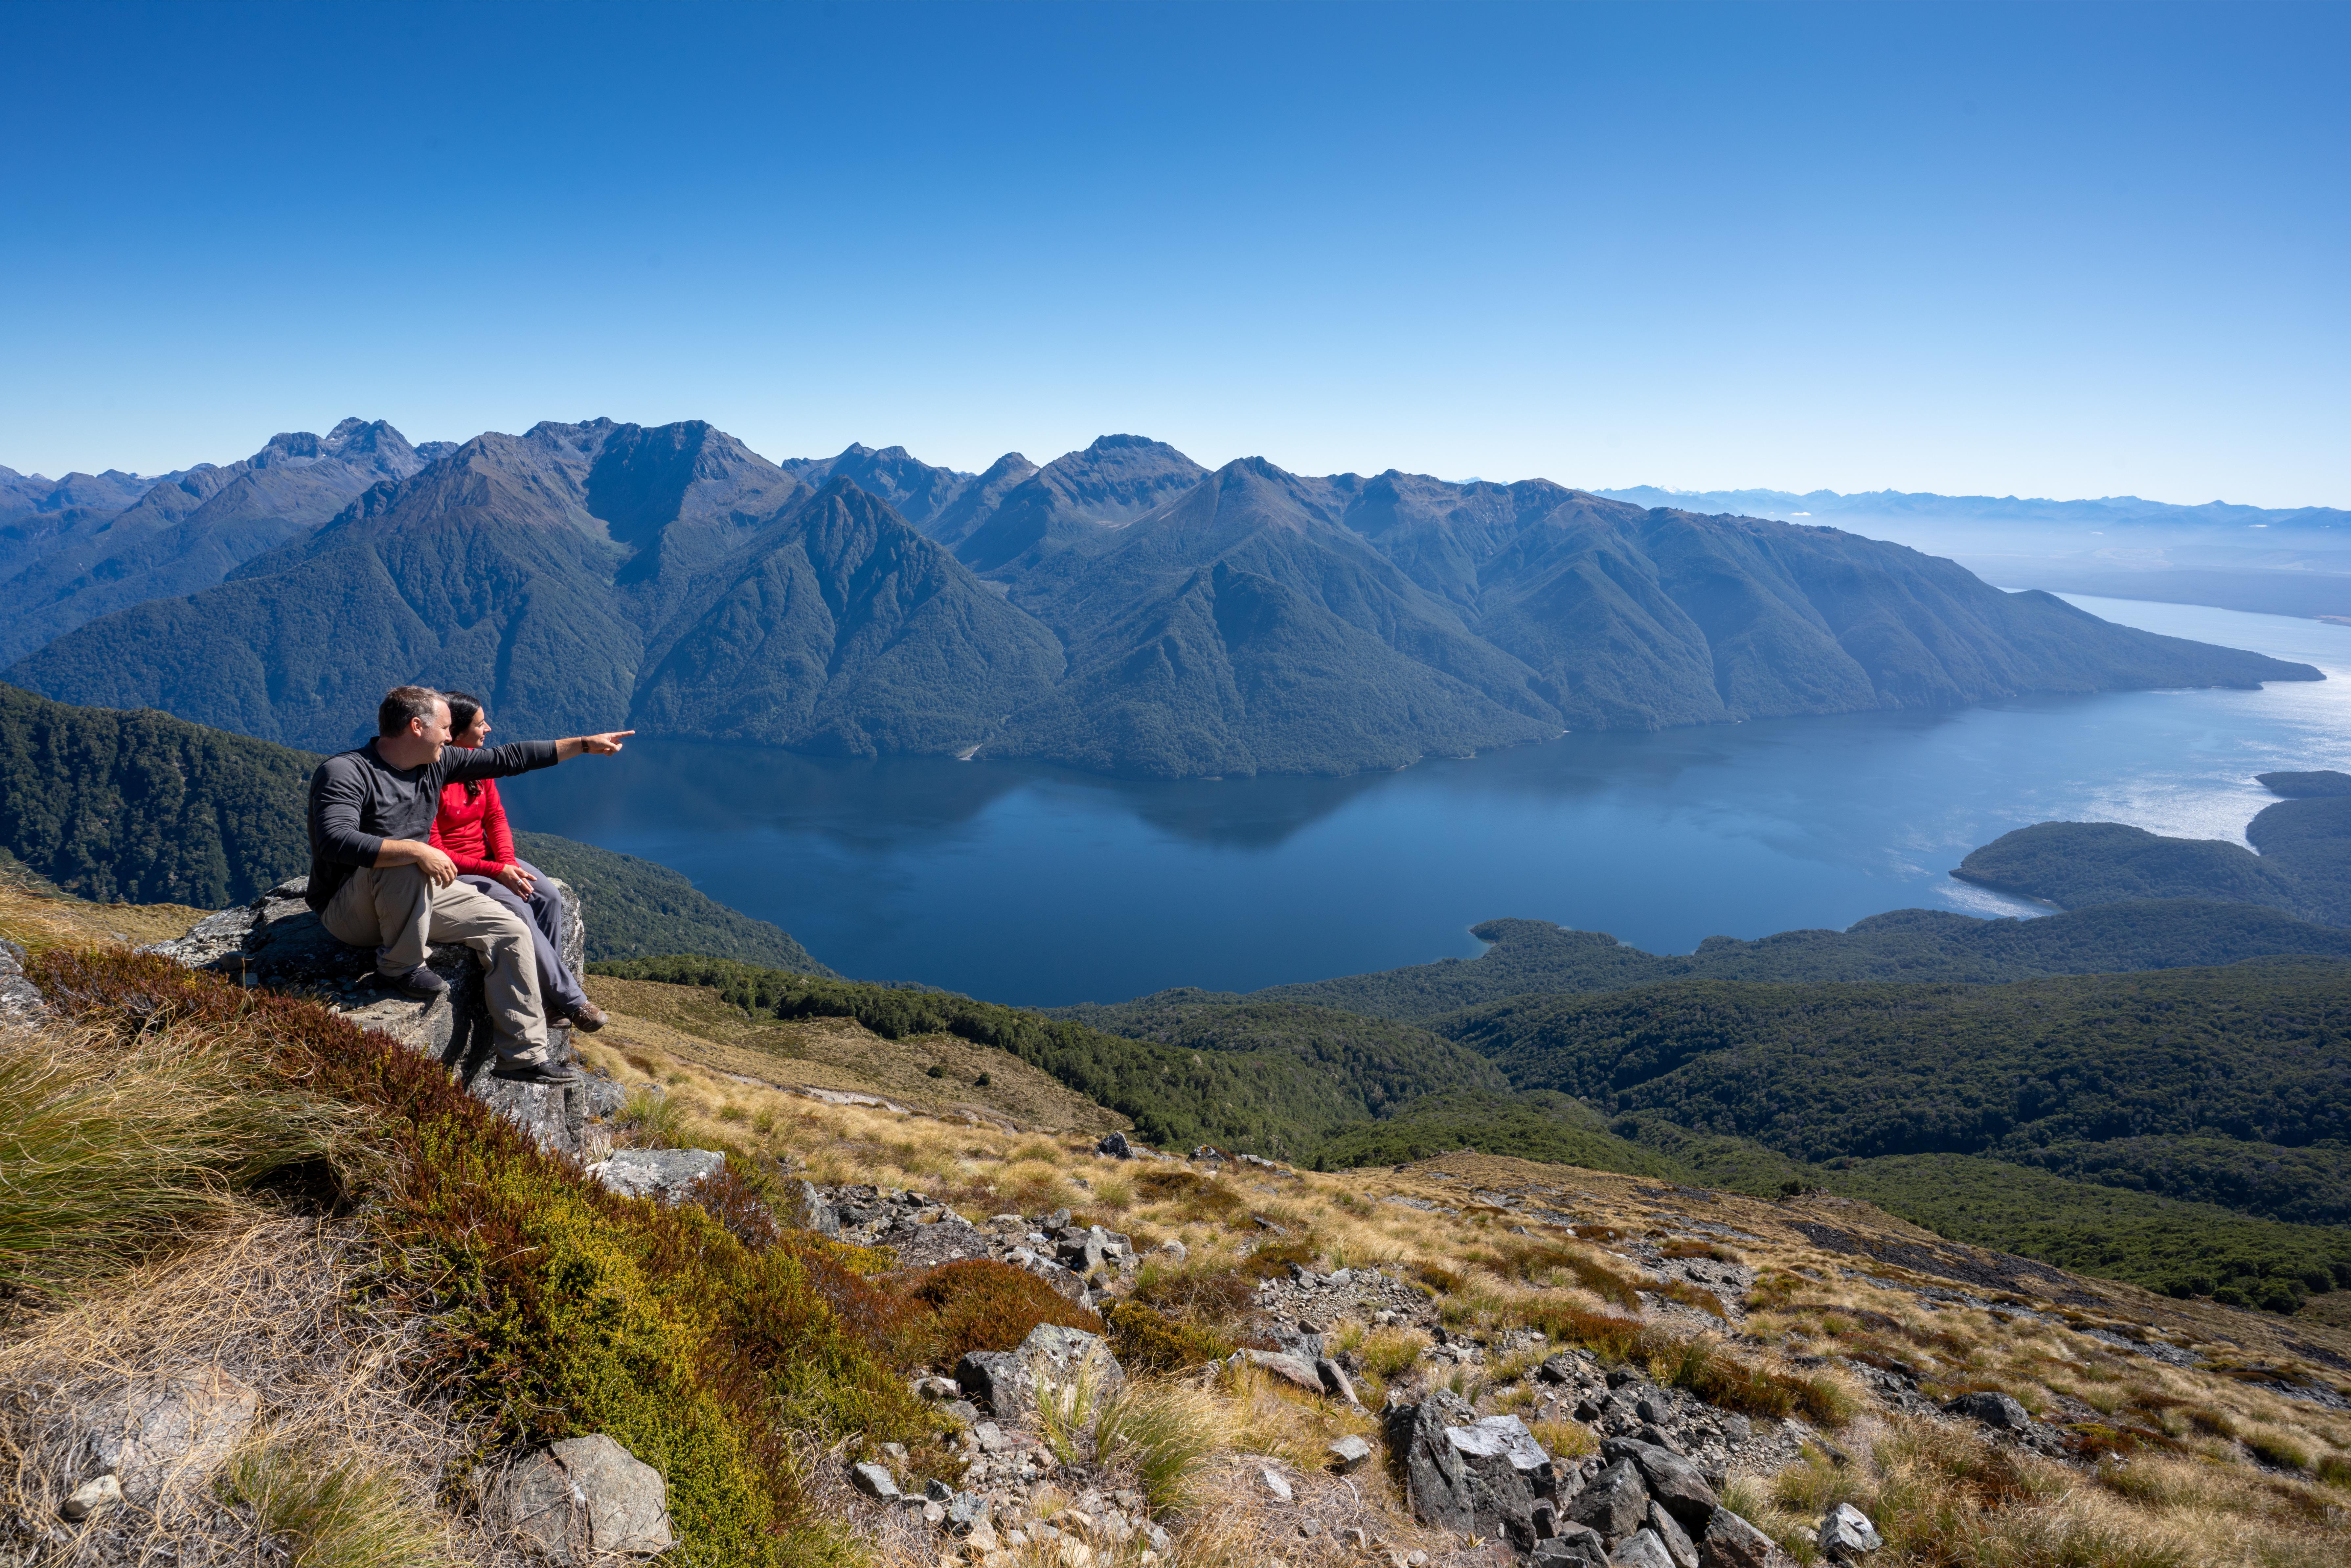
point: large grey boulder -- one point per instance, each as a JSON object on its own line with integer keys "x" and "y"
{"x": 588, "y": 1500}
{"x": 998, "y": 1382}
{"x": 1575, "y": 1546}
{"x": 1672, "y": 1480}
{"x": 1296, "y": 1371}
{"x": 1672, "y": 1536}
{"x": 1614, "y": 1503}
{"x": 665, "y": 1176}
{"x": 277, "y": 941}
{"x": 1473, "y": 1477}
{"x": 1643, "y": 1550}
{"x": 1847, "y": 1533}
{"x": 1058, "y": 1354}
{"x": 1729, "y": 1542}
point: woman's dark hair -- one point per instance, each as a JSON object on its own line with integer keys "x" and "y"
{"x": 463, "y": 708}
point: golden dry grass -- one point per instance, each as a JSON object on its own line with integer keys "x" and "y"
{"x": 34, "y": 922}
{"x": 840, "y": 1053}
{"x": 2203, "y": 1465}
{"x": 273, "y": 1302}
{"x": 1814, "y": 1301}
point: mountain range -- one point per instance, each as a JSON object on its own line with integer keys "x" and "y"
{"x": 1120, "y": 608}
{"x": 88, "y": 545}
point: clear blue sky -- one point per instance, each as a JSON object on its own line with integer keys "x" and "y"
{"x": 2008, "y": 248}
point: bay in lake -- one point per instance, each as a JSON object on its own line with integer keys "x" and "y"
{"x": 1020, "y": 882}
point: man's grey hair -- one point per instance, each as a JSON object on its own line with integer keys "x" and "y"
{"x": 404, "y": 703}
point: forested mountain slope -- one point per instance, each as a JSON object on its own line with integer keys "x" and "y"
{"x": 143, "y": 808}
{"x": 1162, "y": 620}
{"x": 2173, "y": 1074}
{"x": 1530, "y": 957}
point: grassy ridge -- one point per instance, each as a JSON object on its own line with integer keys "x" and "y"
{"x": 2185, "y": 1248}
{"x": 1274, "y": 1082}
{"x": 560, "y": 1309}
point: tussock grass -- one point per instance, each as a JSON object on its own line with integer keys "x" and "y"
{"x": 111, "y": 1147}
{"x": 325, "y": 1512}
{"x": 277, "y": 1303}
{"x": 557, "y": 1308}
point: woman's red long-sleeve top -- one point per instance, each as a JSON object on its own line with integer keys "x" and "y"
{"x": 473, "y": 832}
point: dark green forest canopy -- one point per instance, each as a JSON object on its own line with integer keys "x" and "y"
{"x": 1531, "y": 956}
{"x": 2184, "y": 1249}
{"x": 1390, "y": 1062}
{"x": 143, "y": 808}
{"x": 1264, "y": 1087}
{"x": 1539, "y": 1125}
{"x": 2251, "y": 1053}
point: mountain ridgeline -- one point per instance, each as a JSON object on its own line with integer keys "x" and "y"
{"x": 1120, "y": 608}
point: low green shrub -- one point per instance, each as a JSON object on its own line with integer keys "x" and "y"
{"x": 1143, "y": 1337}
{"x": 978, "y": 1303}
{"x": 559, "y": 1309}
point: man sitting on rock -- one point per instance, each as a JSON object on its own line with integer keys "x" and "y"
{"x": 377, "y": 881}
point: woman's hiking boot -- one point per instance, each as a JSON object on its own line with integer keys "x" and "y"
{"x": 587, "y": 1018}
{"x": 418, "y": 985}
{"x": 516, "y": 1070}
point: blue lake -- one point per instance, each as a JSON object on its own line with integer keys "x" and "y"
{"x": 1034, "y": 885}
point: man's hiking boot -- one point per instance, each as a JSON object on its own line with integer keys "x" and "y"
{"x": 418, "y": 985}
{"x": 517, "y": 1071}
{"x": 587, "y": 1018}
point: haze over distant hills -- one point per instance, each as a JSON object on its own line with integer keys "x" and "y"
{"x": 2277, "y": 560}
{"x": 1120, "y": 608}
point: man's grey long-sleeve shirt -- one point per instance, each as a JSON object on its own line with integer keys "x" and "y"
{"x": 358, "y": 800}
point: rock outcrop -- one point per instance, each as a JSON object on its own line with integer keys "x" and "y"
{"x": 20, "y": 999}
{"x": 1474, "y": 1476}
{"x": 665, "y": 1176}
{"x": 171, "y": 1432}
{"x": 277, "y": 941}
{"x": 588, "y": 1500}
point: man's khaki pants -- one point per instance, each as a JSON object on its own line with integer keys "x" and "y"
{"x": 397, "y": 911}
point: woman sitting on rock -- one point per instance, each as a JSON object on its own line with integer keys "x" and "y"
{"x": 471, "y": 829}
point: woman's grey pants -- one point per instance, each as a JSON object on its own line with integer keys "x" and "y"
{"x": 543, "y": 912}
